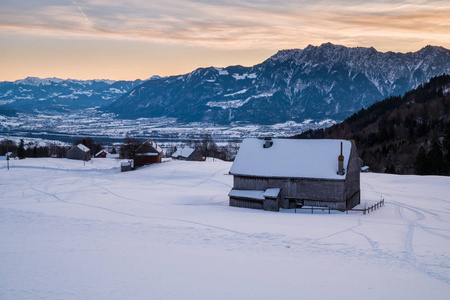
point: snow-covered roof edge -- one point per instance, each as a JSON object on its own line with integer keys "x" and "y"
{"x": 154, "y": 145}
{"x": 183, "y": 152}
{"x": 83, "y": 148}
{"x": 101, "y": 151}
{"x": 291, "y": 158}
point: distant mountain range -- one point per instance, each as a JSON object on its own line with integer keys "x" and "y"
{"x": 53, "y": 94}
{"x": 324, "y": 82}
{"x": 328, "y": 81}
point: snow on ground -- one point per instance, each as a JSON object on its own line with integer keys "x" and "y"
{"x": 70, "y": 230}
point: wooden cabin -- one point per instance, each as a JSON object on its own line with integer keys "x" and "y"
{"x": 148, "y": 153}
{"x": 80, "y": 152}
{"x": 101, "y": 154}
{"x": 126, "y": 166}
{"x": 187, "y": 153}
{"x": 105, "y": 154}
{"x": 287, "y": 173}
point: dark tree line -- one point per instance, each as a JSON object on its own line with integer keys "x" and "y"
{"x": 436, "y": 159}
{"x": 31, "y": 149}
{"x": 91, "y": 144}
{"x": 390, "y": 133}
{"x": 129, "y": 147}
{"x": 34, "y": 149}
{"x": 208, "y": 148}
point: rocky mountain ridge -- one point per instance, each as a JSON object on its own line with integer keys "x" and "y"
{"x": 318, "y": 82}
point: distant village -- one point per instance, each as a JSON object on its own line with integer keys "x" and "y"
{"x": 131, "y": 148}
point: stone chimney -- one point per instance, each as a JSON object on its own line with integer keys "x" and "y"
{"x": 268, "y": 142}
{"x": 341, "y": 170}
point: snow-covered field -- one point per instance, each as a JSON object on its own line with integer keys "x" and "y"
{"x": 75, "y": 231}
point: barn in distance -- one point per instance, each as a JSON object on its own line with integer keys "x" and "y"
{"x": 187, "y": 153}
{"x": 80, "y": 152}
{"x": 148, "y": 153}
{"x": 271, "y": 174}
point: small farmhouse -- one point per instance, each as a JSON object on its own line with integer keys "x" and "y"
{"x": 187, "y": 153}
{"x": 148, "y": 153}
{"x": 80, "y": 152}
{"x": 105, "y": 154}
{"x": 286, "y": 173}
{"x": 101, "y": 154}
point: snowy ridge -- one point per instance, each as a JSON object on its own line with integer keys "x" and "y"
{"x": 318, "y": 82}
{"x": 55, "y": 94}
{"x": 48, "y": 81}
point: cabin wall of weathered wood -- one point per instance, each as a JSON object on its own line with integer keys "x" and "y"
{"x": 77, "y": 153}
{"x": 321, "y": 192}
{"x": 142, "y": 160}
{"x": 247, "y": 203}
{"x": 272, "y": 204}
{"x": 195, "y": 156}
{"x": 352, "y": 192}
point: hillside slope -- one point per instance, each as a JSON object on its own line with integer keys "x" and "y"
{"x": 390, "y": 133}
{"x": 73, "y": 231}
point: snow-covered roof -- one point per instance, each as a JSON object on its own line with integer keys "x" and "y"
{"x": 255, "y": 194}
{"x": 154, "y": 145}
{"x": 183, "y": 152}
{"x": 102, "y": 151}
{"x": 83, "y": 147}
{"x": 291, "y": 158}
{"x": 272, "y": 193}
{"x": 252, "y": 194}
{"x": 110, "y": 155}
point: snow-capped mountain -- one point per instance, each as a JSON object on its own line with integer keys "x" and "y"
{"x": 328, "y": 81}
{"x": 54, "y": 94}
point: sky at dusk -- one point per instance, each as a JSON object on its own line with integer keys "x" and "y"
{"x": 112, "y": 39}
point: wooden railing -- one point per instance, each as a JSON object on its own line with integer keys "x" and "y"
{"x": 364, "y": 210}
{"x": 370, "y": 208}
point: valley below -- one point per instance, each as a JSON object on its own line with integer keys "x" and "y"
{"x": 108, "y": 129}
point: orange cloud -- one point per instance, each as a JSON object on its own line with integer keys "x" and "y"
{"x": 216, "y": 28}
{"x": 239, "y": 25}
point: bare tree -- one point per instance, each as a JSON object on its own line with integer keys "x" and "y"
{"x": 129, "y": 147}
